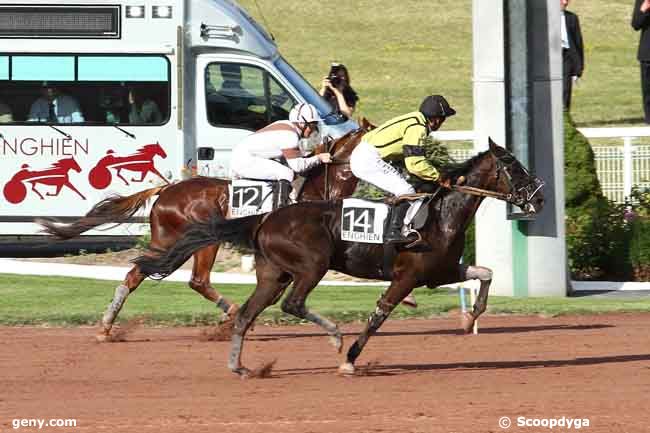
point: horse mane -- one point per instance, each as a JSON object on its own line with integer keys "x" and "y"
{"x": 60, "y": 163}
{"x": 146, "y": 147}
{"x": 453, "y": 171}
{"x": 344, "y": 140}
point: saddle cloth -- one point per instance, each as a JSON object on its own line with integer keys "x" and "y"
{"x": 252, "y": 197}
{"x": 363, "y": 220}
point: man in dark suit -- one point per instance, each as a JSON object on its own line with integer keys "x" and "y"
{"x": 641, "y": 21}
{"x": 573, "y": 59}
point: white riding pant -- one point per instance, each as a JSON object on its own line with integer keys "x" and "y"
{"x": 366, "y": 164}
{"x": 245, "y": 165}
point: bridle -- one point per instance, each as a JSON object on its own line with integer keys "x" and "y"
{"x": 518, "y": 195}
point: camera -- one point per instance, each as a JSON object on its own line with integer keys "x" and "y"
{"x": 333, "y": 74}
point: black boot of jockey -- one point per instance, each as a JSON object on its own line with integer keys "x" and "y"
{"x": 394, "y": 234}
{"x": 283, "y": 193}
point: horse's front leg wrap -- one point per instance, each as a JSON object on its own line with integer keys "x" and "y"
{"x": 375, "y": 320}
{"x": 223, "y": 304}
{"x": 121, "y": 293}
{"x": 485, "y": 276}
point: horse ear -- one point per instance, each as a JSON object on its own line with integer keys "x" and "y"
{"x": 492, "y": 144}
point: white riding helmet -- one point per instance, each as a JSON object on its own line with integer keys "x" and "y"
{"x": 304, "y": 113}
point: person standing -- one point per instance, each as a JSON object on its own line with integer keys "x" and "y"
{"x": 641, "y": 22}
{"x": 572, "y": 52}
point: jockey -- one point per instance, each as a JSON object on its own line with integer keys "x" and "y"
{"x": 400, "y": 139}
{"x": 293, "y": 140}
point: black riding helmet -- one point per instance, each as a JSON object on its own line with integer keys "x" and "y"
{"x": 436, "y": 106}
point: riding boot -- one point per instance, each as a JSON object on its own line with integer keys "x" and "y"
{"x": 394, "y": 232}
{"x": 283, "y": 193}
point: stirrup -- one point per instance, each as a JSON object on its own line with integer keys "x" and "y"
{"x": 419, "y": 242}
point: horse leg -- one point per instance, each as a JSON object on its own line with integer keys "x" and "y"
{"x": 485, "y": 276}
{"x": 36, "y": 191}
{"x": 385, "y": 305}
{"x": 131, "y": 282}
{"x": 156, "y": 172}
{"x": 271, "y": 282}
{"x": 294, "y": 304}
{"x": 71, "y": 186}
{"x": 56, "y": 191}
{"x": 200, "y": 281}
{"x": 118, "y": 174}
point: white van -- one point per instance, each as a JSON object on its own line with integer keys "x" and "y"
{"x": 102, "y": 97}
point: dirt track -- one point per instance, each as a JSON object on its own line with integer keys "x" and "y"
{"x": 424, "y": 377}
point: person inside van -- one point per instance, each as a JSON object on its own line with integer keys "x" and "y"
{"x": 143, "y": 110}
{"x": 5, "y": 113}
{"x": 337, "y": 91}
{"x": 55, "y": 107}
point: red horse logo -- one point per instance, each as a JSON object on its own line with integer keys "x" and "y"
{"x": 57, "y": 176}
{"x": 141, "y": 161}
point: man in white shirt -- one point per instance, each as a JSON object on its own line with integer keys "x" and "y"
{"x": 292, "y": 140}
{"x": 54, "y": 107}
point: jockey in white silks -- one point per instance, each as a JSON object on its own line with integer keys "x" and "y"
{"x": 292, "y": 140}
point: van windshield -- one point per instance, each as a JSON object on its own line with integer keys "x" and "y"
{"x": 308, "y": 92}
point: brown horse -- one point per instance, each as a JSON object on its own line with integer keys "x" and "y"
{"x": 301, "y": 242}
{"x": 195, "y": 200}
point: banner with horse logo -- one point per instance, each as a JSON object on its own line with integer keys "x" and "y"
{"x": 250, "y": 197}
{"x": 363, "y": 221}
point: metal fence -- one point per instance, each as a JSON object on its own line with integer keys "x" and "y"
{"x": 621, "y": 166}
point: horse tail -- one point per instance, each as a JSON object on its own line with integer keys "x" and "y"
{"x": 239, "y": 232}
{"x": 114, "y": 209}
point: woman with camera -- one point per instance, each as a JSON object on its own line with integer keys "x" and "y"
{"x": 337, "y": 91}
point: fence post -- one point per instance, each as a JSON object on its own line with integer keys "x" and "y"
{"x": 628, "y": 175}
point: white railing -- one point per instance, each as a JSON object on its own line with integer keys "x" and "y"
{"x": 620, "y": 167}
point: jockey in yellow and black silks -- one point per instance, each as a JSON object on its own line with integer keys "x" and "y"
{"x": 400, "y": 139}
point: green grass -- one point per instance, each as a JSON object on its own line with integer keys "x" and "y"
{"x": 30, "y": 300}
{"x": 398, "y": 52}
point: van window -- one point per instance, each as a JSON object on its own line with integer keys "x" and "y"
{"x": 244, "y": 96}
{"x": 42, "y": 68}
{"x": 4, "y": 68}
{"x": 85, "y": 89}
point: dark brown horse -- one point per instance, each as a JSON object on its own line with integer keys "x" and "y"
{"x": 301, "y": 242}
{"x": 195, "y": 200}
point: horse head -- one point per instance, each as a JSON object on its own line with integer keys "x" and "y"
{"x": 68, "y": 164}
{"x": 153, "y": 150}
{"x": 497, "y": 173}
{"x": 521, "y": 188}
{"x": 336, "y": 179}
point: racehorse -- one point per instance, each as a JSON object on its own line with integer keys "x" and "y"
{"x": 301, "y": 242}
{"x": 196, "y": 199}
{"x": 57, "y": 176}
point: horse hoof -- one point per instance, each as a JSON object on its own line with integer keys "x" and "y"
{"x": 337, "y": 342}
{"x": 467, "y": 322}
{"x": 242, "y": 372}
{"x": 346, "y": 369}
{"x": 103, "y": 338}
